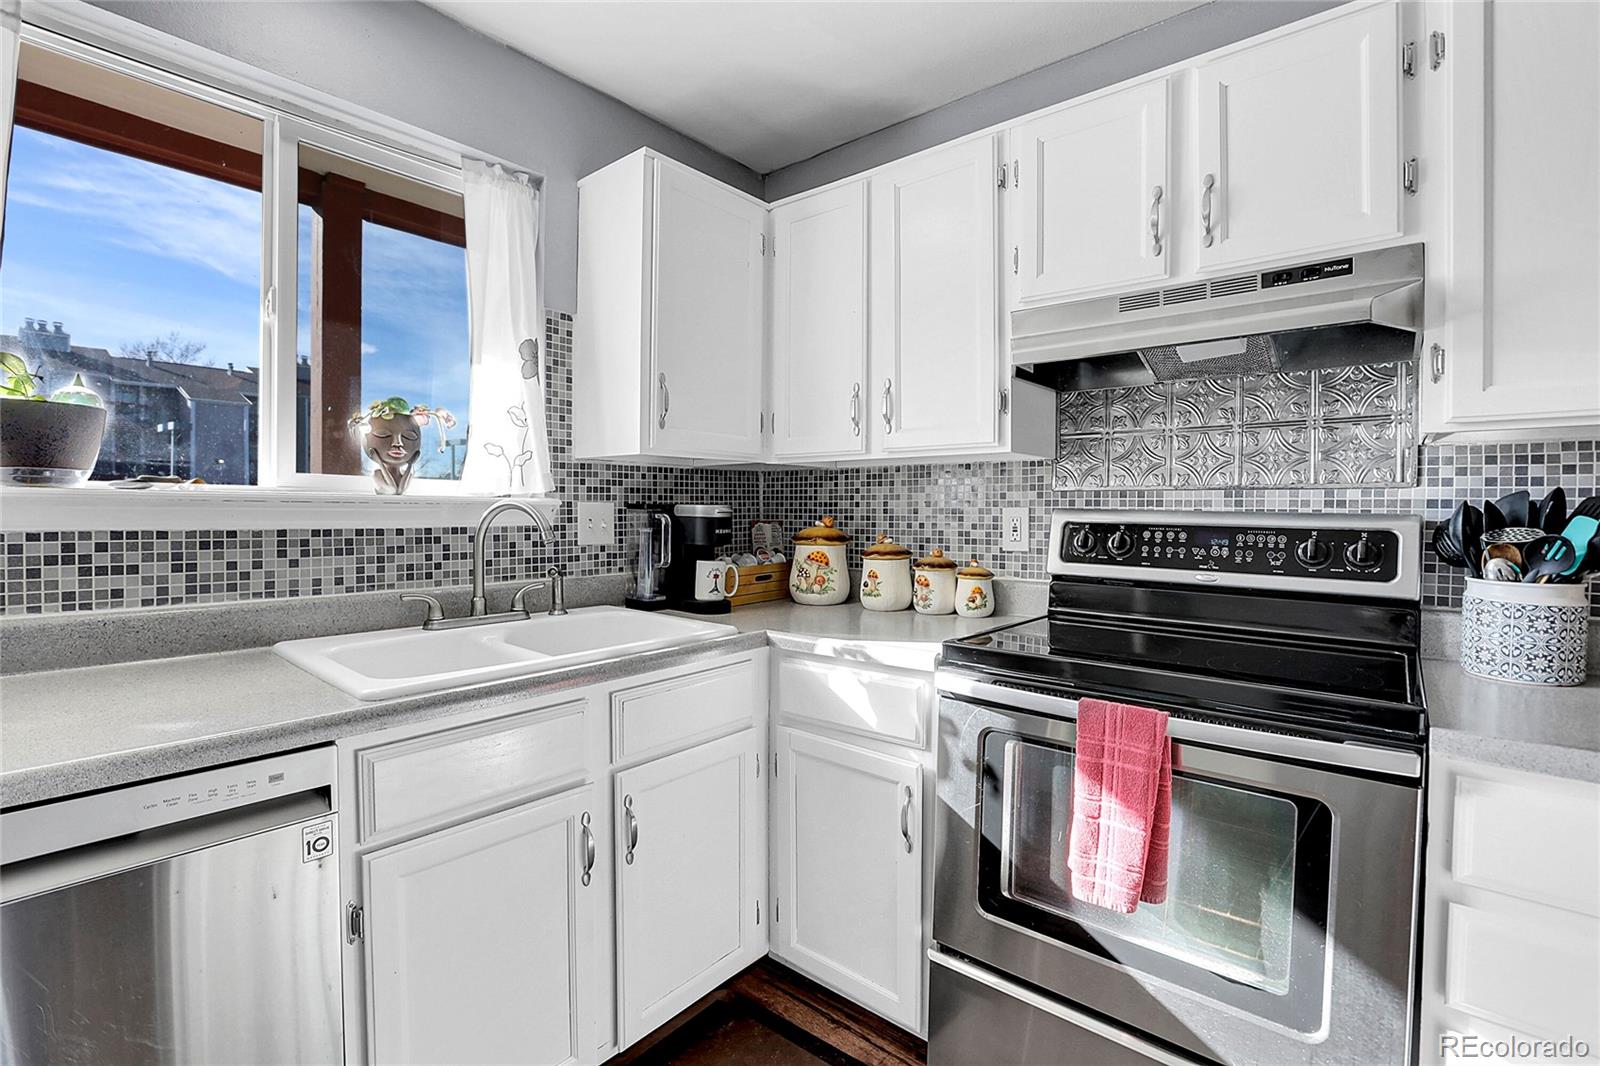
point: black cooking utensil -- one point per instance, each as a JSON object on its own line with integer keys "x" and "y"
{"x": 1493, "y": 517}
{"x": 1544, "y": 559}
{"x": 1446, "y": 547}
{"x": 1552, "y": 511}
{"x": 1514, "y": 506}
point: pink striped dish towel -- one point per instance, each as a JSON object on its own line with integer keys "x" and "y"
{"x": 1121, "y": 806}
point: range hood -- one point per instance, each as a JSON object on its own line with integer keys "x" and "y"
{"x": 1334, "y": 311}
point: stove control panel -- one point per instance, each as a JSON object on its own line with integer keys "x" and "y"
{"x": 1341, "y": 549}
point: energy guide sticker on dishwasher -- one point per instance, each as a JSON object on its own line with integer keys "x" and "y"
{"x": 316, "y": 840}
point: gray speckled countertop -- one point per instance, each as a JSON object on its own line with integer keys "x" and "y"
{"x": 76, "y": 730}
{"x": 1541, "y": 728}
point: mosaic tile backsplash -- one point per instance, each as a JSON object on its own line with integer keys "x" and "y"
{"x": 952, "y": 506}
{"x": 1346, "y": 427}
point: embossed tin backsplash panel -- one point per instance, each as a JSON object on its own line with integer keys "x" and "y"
{"x": 1346, "y": 427}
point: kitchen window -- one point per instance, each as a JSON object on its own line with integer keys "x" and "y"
{"x": 236, "y": 281}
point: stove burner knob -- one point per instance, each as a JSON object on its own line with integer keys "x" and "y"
{"x": 1363, "y": 554}
{"x": 1083, "y": 541}
{"x": 1312, "y": 553}
{"x": 1119, "y": 544}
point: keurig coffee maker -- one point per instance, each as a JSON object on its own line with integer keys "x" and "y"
{"x": 700, "y": 532}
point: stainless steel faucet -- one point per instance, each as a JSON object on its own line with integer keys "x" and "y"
{"x": 479, "y": 612}
{"x": 480, "y": 606}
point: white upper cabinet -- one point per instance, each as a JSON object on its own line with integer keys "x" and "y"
{"x": 691, "y": 876}
{"x": 1298, "y": 142}
{"x": 1092, "y": 201}
{"x": 1518, "y": 92}
{"x": 819, "y": 325}
{"x": 669, "y": 359}
{"x": 935, "y": 332}
{"x": 481, "y": 940}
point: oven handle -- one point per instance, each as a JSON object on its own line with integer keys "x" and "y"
{"x": 1081, "y": 1019}
{"x": 1351, "y": 754}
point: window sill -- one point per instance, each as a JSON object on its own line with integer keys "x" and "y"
{"x": 236, "y": 507}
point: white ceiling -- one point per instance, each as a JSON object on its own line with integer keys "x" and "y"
{"x": 770, "y": 83}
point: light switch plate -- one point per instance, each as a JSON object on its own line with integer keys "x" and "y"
{"x": 1014, "y": 529}
{"x": 597, "y": 522}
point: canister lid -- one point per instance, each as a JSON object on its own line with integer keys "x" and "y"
{"x": 824, "y": 533}
{"x": 935, "y": 560}
{"x": 972, "y": 569}
{"x": 886, "y": 549}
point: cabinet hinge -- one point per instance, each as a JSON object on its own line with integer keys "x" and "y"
{"x": 1435, "y": 49}
{"x": 1016, "y": 174}
{"x": 777, "y": 910}
{"x": 1408, "y": 176}
{"x": 1001, "y": 177}
{"x": 774, "y": 766}
{"x": 1408, "y": 59}
{"x": 763, "y": 244}
{"x": 758, "y": 766}
{"x": 758, "y": 912}
{"x": 1435, "y": 363}
{"x": 1016, "y": 259}
{"x": 355, "y": 926}
{"x": 1005, "y": 401}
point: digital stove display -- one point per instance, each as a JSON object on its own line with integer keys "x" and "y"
{"x": 1346, "y": 554}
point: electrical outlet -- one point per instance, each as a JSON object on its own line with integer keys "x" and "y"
{"x": 1014, "y": 529}
{"x": 597, "y": 523}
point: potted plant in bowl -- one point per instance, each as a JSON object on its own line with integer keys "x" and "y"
{"x": 51, "y": 440}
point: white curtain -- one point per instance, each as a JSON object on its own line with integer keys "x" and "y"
{"x": 508, "y": 441}
{"x": 10, "y": 41}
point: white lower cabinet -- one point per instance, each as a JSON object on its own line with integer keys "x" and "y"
{"x": 480, "y": 939}
{"x": 690, "y": 851}
{"x": 1511, "y": 942}
{"x": 847, "y": 862}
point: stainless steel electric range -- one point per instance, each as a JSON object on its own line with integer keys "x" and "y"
{"x": 1285, "y": 647}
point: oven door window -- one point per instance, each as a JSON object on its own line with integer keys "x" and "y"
{"x": 1245, "y": 919}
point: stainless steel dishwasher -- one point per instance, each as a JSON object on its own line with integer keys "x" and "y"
{"x": 193, "y": 919}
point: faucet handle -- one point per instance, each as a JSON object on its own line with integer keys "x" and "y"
{"x": 435, "y": 612}
{"x": 519, "y": 601}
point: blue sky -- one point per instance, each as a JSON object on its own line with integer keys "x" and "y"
{"x": 120, "y": 250}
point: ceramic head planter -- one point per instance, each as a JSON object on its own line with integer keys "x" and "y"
{"x": 392, "y": 439}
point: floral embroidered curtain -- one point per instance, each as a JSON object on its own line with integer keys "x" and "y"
{"x": 508, "y": 440}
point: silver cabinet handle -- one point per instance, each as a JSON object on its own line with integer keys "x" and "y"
{"x": 1209, "y": 183}
{"x": 632, "y": 830}
{"x": 1155, "y": 221}
{"x": 588, "y": 848}
{"x": 855, "y": 408}
{"x": 666, "y": 400}
{"x": 905, "y": 820}
{"x": 1435, "y": 363}
{"x": 888, "y": 405}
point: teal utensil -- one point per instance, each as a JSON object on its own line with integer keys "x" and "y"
{"x": 1580, "y": 530}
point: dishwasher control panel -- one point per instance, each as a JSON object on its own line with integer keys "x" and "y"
{"x": 51, "y": 827}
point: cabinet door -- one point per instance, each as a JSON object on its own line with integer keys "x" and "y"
{"x": 707, "y": 311}
{"x": 691, "y": 847}
{"x": 1299, "y": 139}
{"x": 1091, "y": 195}
{"x": 819, "y": 324}
{"x": 848, "y": 860}
{"x": 1523, "y": 324}
{"x": 480, "y": 940}
{"x": 935, "y": 334}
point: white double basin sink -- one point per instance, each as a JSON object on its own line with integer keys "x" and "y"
{"x": 390, "y": 663}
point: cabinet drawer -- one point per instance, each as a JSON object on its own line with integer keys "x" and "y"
{"x": 671, "y": 713}
{"x": 431, "y": 778}
{"x": 856, "y": 700}
{"x": 1526, "y": 835}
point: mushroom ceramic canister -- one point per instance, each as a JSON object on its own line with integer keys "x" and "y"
{"x": 974, "y": 591}
{"x": 933, "y": 584}
{"x": 886, "y": 576}
{"x": 820, "y": 574}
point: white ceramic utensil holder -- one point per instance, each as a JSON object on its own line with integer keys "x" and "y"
{"x": 1528, "y": 633}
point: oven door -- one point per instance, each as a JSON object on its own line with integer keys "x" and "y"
{"x": 1288, "y": 930}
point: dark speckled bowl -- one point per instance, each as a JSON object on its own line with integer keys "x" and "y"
{"x": 43, "y": 443}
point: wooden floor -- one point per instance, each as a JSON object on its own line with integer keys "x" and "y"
{"x": 771, "y": 1016}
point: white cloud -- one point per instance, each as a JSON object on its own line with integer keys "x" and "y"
{"x": 368, "y": 349}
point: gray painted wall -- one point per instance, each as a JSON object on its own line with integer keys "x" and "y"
{"x": 413, "y": 64}
{"x": 1176, "y": 39}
